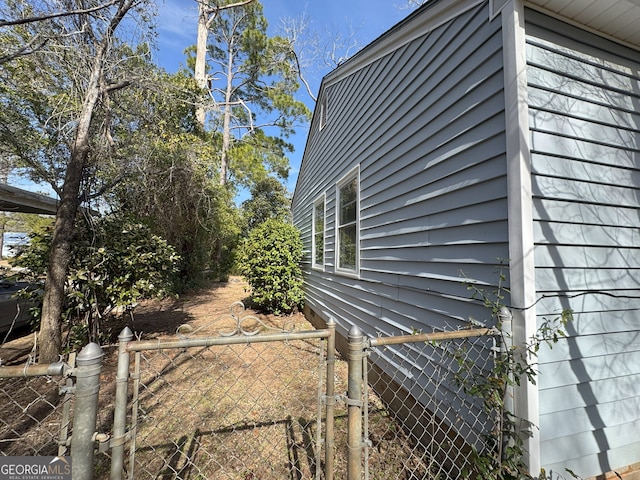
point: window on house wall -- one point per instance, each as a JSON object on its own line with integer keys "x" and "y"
{"x": 318, "y": 233}
{"x": 347, "y": 216}
{"x": 323, "y": 112}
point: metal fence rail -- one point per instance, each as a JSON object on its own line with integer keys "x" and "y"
{"x": 246, "y": 405}
{"x": 35, "y": 410}
{"x": 417, "y": 421}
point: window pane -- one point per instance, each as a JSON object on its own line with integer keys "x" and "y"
{"x": 347, "y": 254}
{"x": 319, "y": 223}
{"x": 318, "y": 258}
{"x": 348, "y": 197}
{"x": 318, "y": 234}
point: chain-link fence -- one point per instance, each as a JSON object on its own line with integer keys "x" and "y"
{"x": 36, "y": 403}
{"x": 38, "y": 418}
{"x": 256, "y": 402}
{"x": 250, "y": 404}
{"x": 419, "y": 419}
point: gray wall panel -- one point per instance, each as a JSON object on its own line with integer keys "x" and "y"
{"x": 425, "y": 124}
{"x": 585, "y": 134}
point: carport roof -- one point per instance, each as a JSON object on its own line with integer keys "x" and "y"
{"x": 13, "y": 199}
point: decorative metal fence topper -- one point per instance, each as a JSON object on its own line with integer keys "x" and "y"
{"x": 247, "y": 325}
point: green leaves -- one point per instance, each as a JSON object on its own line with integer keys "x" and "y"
{"x": 268, "y": 200}
{"x": 270, "y": 261}
{"x": 254, "y": 95}
{"x": 115, "y": 263}
{"x": 504, "y": 460}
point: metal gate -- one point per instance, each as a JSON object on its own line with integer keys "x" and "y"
{"x": 254, "y": 401}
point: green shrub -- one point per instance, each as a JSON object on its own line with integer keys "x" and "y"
{"x": 270, "y": 261}
{"x": 115, "y": 263}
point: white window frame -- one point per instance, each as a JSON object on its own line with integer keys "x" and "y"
{"x": 349, "y": 177}
{"x": 323, "y": 112}
{"x": 319, "y": 201}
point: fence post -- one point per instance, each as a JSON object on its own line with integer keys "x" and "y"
{"x": 354, "y": 401}
{"x": 87, "y": 373}
{"x": 331, "y": 401}
{"x": 120, "y": 410}
{"x": 506, "y": 345}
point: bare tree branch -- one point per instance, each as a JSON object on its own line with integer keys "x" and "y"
{"x": 308, "y": 48}
{"x": 27, "y": 49}
{"x": 85, "y": 196}
{"x": 301, "y": 76}
{"x": 212, "y": 10}
{"x": 294, "y": 30}
{"x": 24, "y": 21}
{"x": 411, "y": 4}
{"x": 117, "y": 86}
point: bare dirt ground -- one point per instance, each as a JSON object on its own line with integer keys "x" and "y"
{"x": 200, "y": 309}
{"x": 241, "y": 412}
{"x": 213, "y": 412}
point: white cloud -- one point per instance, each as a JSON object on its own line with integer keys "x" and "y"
{"x": 177, "y": 18}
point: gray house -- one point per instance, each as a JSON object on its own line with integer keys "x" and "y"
{"x": 482, "y": 130}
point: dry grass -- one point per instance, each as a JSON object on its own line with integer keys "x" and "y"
{"x": 241, "y": 412}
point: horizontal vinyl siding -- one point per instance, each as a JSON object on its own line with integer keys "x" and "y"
{"x": 584, "y": 98}
{"x": 425, "y": 124}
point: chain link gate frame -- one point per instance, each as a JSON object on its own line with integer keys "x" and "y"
{"x": 227, "y": 351}
{"x": 409, "y": 417}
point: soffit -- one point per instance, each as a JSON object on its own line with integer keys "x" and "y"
{"x": 618, "y": 20}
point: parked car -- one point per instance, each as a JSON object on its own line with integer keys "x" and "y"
{"x": 14, "y": 312}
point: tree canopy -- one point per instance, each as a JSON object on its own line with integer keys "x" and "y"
{"x": 251, "y": 82}
{"x": 84, "y": 109}
{"x": 59, "y": 101}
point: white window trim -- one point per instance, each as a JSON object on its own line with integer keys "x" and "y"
{"x": 323, "y": 112}
{"x": 354, "y": 173}
{"x": 317, "y": 266}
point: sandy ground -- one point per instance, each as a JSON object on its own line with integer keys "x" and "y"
{"x": 206, "y": 310}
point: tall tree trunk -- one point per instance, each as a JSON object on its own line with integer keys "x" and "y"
{"x": 200, "y": 71}
{"x": 207, "y": 12}
{"x": 50, "y": 323}
{"x": 4, "y": 176}
{"x": 63, "y": 231}
{"x": 54, "y": 292}
{"x": 2, "y": 228}
{"x": 226, "y": 122}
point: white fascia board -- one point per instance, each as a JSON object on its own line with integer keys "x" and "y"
{"x": 495, "y": 7}
{"x": 520, "y": 208}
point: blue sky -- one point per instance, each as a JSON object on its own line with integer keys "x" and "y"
{"x": 367, "y": 19}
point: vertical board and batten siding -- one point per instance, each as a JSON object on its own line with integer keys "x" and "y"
{"x": 584, "y": 99}
{"x": 425, "y": 124}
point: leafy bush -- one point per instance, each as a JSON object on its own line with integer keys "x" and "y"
{"x": 503, "y": 459}
{"x": 270, "y": 261}
{"x": 115, "y": 263}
